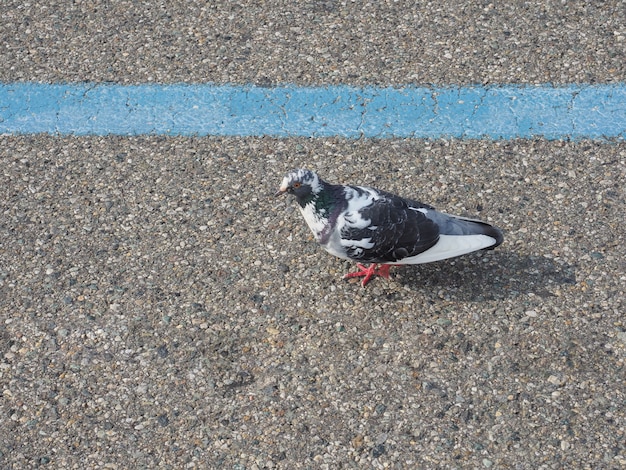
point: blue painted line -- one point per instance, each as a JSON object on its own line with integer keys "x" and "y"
{"x": 474, "y": 112}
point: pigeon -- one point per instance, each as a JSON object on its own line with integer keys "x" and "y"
{"x": 368, "y": 225}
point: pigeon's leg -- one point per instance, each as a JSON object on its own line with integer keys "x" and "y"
{"x": 367, "y": 272}
{"x": 383, "y": 270}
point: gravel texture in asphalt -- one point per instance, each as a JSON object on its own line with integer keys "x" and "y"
{"x": 159, "y": 308}
{"x": 314, "y": 42}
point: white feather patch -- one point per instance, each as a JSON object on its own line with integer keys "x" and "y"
{"x": 356, "y": 203}
{"x": 351, "y": 218}
{"x": 316, "y": 223}
{"x": 362, "y": 243}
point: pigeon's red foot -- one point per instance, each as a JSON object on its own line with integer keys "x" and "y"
{"x": 367, "y": 272}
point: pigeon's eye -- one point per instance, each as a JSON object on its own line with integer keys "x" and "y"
{"x": 296, "y": 185}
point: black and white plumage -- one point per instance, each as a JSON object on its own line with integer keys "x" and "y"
{"x": 368, "y": 225}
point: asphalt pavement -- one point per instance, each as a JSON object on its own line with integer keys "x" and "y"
{"x": 159, "y": 308}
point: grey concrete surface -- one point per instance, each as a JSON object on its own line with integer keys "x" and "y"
{"x": 160, "y": 309}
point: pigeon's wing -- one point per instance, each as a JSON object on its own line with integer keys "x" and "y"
{"x": 387, "y": 229}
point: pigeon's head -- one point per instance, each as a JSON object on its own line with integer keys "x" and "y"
{"x": 303, "y": 184}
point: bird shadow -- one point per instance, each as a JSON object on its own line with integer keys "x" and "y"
{"x": 492, "y": 276}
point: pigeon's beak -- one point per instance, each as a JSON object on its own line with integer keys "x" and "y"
{"x": 281, "y": 190}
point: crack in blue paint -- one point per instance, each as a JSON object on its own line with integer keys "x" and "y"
{"x": 495, "y": 112}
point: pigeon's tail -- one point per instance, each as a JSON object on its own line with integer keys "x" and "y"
{"x": 483, "y": 228}
{"x": 457, "y": 236}
{"x": 455, "y": 225}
